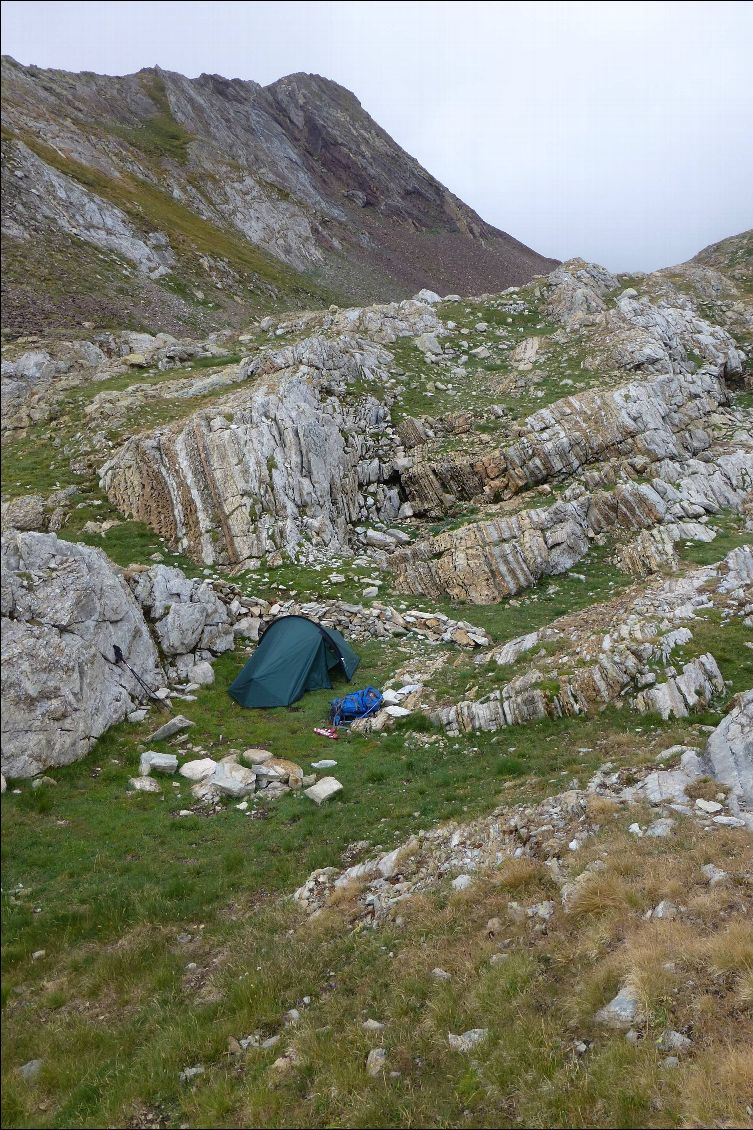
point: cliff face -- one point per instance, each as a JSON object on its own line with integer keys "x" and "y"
{"x": 167, "y": 202}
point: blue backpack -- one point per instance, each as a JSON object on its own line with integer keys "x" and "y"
{"x": 359, "y": 704}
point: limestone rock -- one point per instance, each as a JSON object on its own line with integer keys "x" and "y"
{"x": 375, "y": 1062}
{"x": 655, "y": 419}
{"x": 279, "y": 468}
{"x": 468, "y": 1040}
{"x": 729, "y": 753}
{"x": 323, "y": 790}
{"x": 144, "y": 785}
{"x": 159, "y": 762}
{"x": 696, "y": 685}
{"x": 201, "y": 673}
{"x": 228, "y": 779}
{"x": 621, "y": 1011}
{"x": 650, "y": 552}
{"x": 65, "y": 607}
{"x": 37, "y": 512}
{"x": 619, "y": 661}
{"x": 190, "y": 621}
{"x": 168, "y": 729}
{"x": 199, "y": 769}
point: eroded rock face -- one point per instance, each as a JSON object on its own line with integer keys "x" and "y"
{"x": 648, "y": 420}
{"x": 663, "y": 337}
{"x": 650, "y": 552}
{"x": 660, "y": 335}
{"x": 483, "y": 562}
{"x": 729, "y": 753}
{"x": 67, "y": 205}
{"x": 297, "y": 169}
{"x": 577, "y": 289}
{"x": 280, "y": 468}
{"x": 37, "y": 512}
{"x": 64, "y": 609}
{"x": 628, "y": 657}
{"x": 190, "y": 622}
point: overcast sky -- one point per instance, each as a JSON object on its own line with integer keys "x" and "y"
{"x": 617, "y": 131}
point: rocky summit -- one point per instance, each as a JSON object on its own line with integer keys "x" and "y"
{"x": 289, "y": 374}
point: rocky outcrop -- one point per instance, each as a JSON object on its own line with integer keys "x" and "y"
{"x": 67, "y": 205}
{"x": 35, "y": 382}
{"x": 65, "y": 608}
{"x": 190, "y": 622}
{"x": 577, "y": 289}
{"x": 552, "y": 832}
{"x": 483, "y": 562}
{"x": 629, "y": 657}
{"x": 643, "y": 421}
{"x": 286, "y": 467}
{"x": 650, "y": 552}
{"x": 661, "y": 338}
{"x": 729, "y": 753}
{"x": 31, "y": 375}
{"x": 689, "y": 689}
{"x": 37, "y": 512}
{"x": 636, "y": 332}
{"x": 357, "y": 622}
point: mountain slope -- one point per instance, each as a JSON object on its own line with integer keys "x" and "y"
{"x": 732, "y": 257}
{"x": 166, "y": 202}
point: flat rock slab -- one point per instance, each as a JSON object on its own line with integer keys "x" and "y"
{"x": 256, "y": 756}
{"x": 199, "y": 769}
{"x": 323, "y": 790}
{"x": 174, "y": 726}
{"x": 159, "y": 762}
{"x": 233, "y": 780}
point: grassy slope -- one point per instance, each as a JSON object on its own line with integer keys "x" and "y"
{"x": 262, "y": 282}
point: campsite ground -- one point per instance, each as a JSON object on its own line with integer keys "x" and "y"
{"x": 165, "y": 936}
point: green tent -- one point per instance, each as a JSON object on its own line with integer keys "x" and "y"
{"x": 294, "y": 655}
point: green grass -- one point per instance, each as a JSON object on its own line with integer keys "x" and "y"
{"x": 731, "y": 534}
{"x": 558, "y": 372}
{"x": 104, "y": 881}
{"x": 160, "y": 136}
{"x": 40, "y": 460}
{"x": 110, "y": 880}
{"x": 30, "y": 467}
{"x": 550, "y": 598}
{"x": 729, "y": 641}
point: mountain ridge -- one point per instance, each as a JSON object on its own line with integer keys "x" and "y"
{"x": 296, "y": 171}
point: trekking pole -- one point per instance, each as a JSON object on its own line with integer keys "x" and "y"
{"x": 120, "y": 658}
